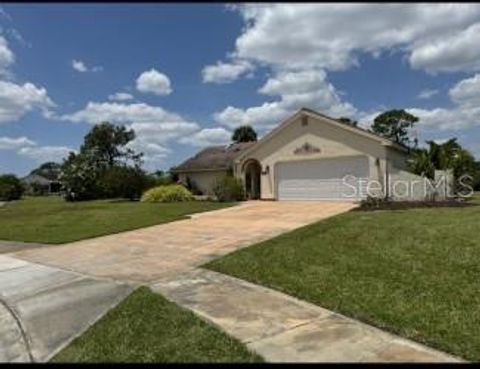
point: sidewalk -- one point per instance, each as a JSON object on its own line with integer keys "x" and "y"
{"x": 282, "y": 328}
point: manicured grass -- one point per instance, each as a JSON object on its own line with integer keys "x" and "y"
{"x": 53, "y": 220}
{"x": 146, "y": 327}
{"x": 414, "y": 272}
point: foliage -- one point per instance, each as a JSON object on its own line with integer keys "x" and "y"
{"x": 161, "y": 178}
{"x": 10, "y": 188}
{"x": 123, "y": 182}
{"x": 395, "y": 125}
{"x": 348, "y": 121}
{"x": 36, "y": 189}
{"x": 228, "y": 188}
{"x": 49, "y": 170}
{"x": 448, "y": 155}
{"x": 244, "y": 134}
{"x": 104, "y": 155}
{"x": 169, "y": 193}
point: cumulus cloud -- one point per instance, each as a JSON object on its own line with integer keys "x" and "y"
{"x": 296, "y": 89}
{"x": 18, "y": 100}
{"x": 82, "y": 67}
{"x": 456, "y": 52}
{"x": 466, "y": 111}
{"x": 11, "y": 143}
{"x": 208, "y": 137}
{"x": 329, "y": 36}
{"x": 427, "y": 94}
{"x": 7, "y": 57}
{"x": 154, "y": 126}
{"x": 120, "y": 96}
{"x": 153, "y": 81}
{"x": 45, "y": 153}
{"x": 226, "y": 72}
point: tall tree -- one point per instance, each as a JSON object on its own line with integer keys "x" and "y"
{"x": 244, "y": 134}
{"x": 348, "y": 121}
{"x": 106, "y": 144}
{"x": 395, "y": 125}
{"x": 103, "y": 161}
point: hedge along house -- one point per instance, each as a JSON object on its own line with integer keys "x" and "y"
{"x": 309, "y": 156}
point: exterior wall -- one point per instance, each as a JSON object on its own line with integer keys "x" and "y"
{"x": 204, "y": 180}
{"x": 331, "y": 140}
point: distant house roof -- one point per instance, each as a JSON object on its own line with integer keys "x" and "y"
{"x": 213, "y": 158}
{"x": 35, "y": 178}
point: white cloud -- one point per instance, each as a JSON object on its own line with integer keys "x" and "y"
{"x": 226, "y": 72}
{"x": 154, "y": 82}
{"x": 466, "y": 111}
{"x": 7, "y": 57}
{"x": 79, "y": 66}
{"x": 10, "y": 143}
{"x": 155, "y": 127}
{"x": 297, "y": 89}
{"x": 122, "y": 113}
{"x": 82, "y": 67}
{"x": 120, "y": 96}
{"x": 329, "y": 35}
{"x": 17, "y": 100}
{"x": 427, "y": 94}
{"x": 208, "y": 137}
{"x": 453, "y": 53}
{"x": 45, "y": 153}
{"x": 467, "y": 92}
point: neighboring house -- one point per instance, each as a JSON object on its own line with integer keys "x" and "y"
{"x": 38, "y": 185}
{"x": 306, "y": 157}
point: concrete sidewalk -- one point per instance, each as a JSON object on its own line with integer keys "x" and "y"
{"x": 42, "y": 309}
{"x": 284, "y": 329}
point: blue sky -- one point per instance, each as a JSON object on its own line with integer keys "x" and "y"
{"x": 185, "y": 75}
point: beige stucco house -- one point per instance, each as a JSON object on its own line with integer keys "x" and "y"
{"x": 309, "y": 156}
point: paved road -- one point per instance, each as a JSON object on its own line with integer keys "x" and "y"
{"x": 43, "y": 308}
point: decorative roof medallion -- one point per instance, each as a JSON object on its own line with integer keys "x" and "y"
{"x": 306, "y": 149}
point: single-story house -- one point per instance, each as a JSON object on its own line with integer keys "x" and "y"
{"x": 309, "y": 156}
{"x": 39, "y": 185}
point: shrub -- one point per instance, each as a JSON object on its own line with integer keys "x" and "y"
{"x": 228, "y": 188}
{"x": 169, "y": 193}
{"x": 123, "y": 182}
{"x": 10, "y": 188}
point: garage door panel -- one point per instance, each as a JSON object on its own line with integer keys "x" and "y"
{"x": 322, "y": 179}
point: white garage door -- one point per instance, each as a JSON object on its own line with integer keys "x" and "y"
{"x": 325, "y": 179}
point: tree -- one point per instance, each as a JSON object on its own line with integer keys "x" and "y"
{"x": 103, "y": 156}
{"x": 448, "y": 155}
{"x": 395, "y": 125}
{"x": 244, "y": 134}
{"x": 348, "y": 121}
{"x": 107, "y": 144}
{"x": 49, "y": 170}
{"x": 10, "y": 188}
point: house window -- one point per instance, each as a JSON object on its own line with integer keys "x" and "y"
{"x": 304, "y": 121}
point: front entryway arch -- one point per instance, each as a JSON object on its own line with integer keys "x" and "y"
{"x": 252, "y": 176}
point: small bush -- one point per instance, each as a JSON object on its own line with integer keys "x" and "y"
{"x": 10, "y": 188}
{"x": 169, "y": 193}
{"x": 228, "y": 188}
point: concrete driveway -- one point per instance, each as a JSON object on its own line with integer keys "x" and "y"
{"x": 148, "y": 254}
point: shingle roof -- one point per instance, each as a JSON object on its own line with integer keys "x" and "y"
{"x": 214, "y": 158}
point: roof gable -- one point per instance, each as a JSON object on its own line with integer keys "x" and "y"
{"x": 309, "y": 112}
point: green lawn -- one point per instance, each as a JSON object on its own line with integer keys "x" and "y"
{"x": 53, "y": 220}
{"x": 145, "y": 327}
{"x": 414, "y": 272}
